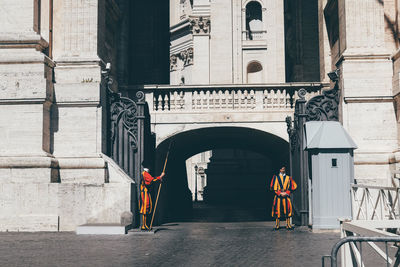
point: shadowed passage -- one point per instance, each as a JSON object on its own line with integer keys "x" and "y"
{"x": 233, "y": 181}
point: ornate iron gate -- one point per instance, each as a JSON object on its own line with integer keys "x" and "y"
{"x": 130, "y": 142}
{"x": 323, "y": 107}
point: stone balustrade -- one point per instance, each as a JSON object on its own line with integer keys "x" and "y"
{"x": 280, "y": 97}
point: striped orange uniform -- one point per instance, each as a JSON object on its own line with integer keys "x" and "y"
{"x": 146, "y": 204}
{"x": 282, "y": 205}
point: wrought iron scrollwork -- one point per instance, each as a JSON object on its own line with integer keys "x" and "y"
{"x": 292, "y": 131}
{"x": 302, "y": 93}
{"x": 324, "y": 107}
{"x": 123, "y": 109}
{"x": 140, "y": 96}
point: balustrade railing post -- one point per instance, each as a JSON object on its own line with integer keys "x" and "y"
{"x": 149, "y": 97}
{"x": 188, "y": 98}
{"x": 259, "y": 95}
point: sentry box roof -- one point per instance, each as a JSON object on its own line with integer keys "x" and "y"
{"x": 327, "y": 134}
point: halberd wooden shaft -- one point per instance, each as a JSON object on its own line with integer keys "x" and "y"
{"x": 159, "y": 188}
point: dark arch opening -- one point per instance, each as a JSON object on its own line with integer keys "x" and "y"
{"x": 254, "y": 67}
{"x": 248, "y": 184}
{"x": 254, "y": 72}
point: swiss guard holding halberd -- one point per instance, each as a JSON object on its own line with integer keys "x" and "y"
{"x": 146, "y": 205}
{"x": 283, "y": 185}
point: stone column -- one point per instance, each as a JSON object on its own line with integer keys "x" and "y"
{"x": 201, "y": 49}
{"x": 324, "y": 49}
{"x": 84, "y": 32}
{"x": 396, "y": 95}
{"x": 27, "y": 168}
{"x": 365, "y": 81}
{"x": 274, "y": 69}
{"x": 77, "y": 112}
{"x": 244, "y": 33}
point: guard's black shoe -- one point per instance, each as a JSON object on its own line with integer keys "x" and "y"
{"x": 289, "y": 226}
{"x": 277, "y": 227}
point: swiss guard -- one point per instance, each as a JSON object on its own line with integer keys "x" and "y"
{"x": 283, "y": 185}
{"x": 146, "y": 205}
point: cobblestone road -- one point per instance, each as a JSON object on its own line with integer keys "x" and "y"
{"x": 178, "y": 244}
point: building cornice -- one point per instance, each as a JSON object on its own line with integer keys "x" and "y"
{"x": 361, "y": 56}
{"x": 181, "y": 25}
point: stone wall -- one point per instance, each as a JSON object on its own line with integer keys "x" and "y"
{"x": 367, "y": 110}
{"x": 53, "y": 176}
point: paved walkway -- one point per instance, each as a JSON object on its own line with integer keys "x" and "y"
{"x": 176, "y": 244}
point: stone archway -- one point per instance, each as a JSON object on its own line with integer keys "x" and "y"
{"x": 247, "y": 182}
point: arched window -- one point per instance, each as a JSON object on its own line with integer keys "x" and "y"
{"x": 255, "y": 72}
{"x": 254, "y": 25}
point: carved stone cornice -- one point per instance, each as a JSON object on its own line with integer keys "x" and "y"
{"x": 200, "y": 25}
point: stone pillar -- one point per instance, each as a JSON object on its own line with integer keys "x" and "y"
{"x": 396, "y": 95}
{"x": 325, "y": 63}
{"x": 365, "y": 81}
{"x": 84, "y": 36}
{"x": 244, "y": 33}
{"x": 274, "y": 69}
{"x": 201, "y": 50}
{"x": 77, "y": 112}
{"x": 27, "y": 168}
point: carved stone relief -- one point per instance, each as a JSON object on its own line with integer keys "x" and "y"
{"x": 186, "y": 56}
{"x": 200, "y": 25}
{"x": 173, "y": 62}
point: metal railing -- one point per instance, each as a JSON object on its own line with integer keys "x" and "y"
{"x": 359, "y": 256}
{"x": 375, "y": 202}
{"x": 376, "y": 214}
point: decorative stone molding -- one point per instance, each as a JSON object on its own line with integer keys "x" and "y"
{"x": 173, "y": 62}
{"x": 185, "y": 55}
{"x": 200, "y": 25}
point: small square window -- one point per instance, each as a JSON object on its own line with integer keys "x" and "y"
{"x": 334, "y": 162}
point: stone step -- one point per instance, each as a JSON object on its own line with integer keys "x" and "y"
{"x": 137, "y": 231}
{"x": 103, "y": 229}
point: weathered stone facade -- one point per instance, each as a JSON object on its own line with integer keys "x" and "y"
{"x": 362, "y": 49}
{"x": 230, "y": 44}
{"x": 53, "y": 173}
